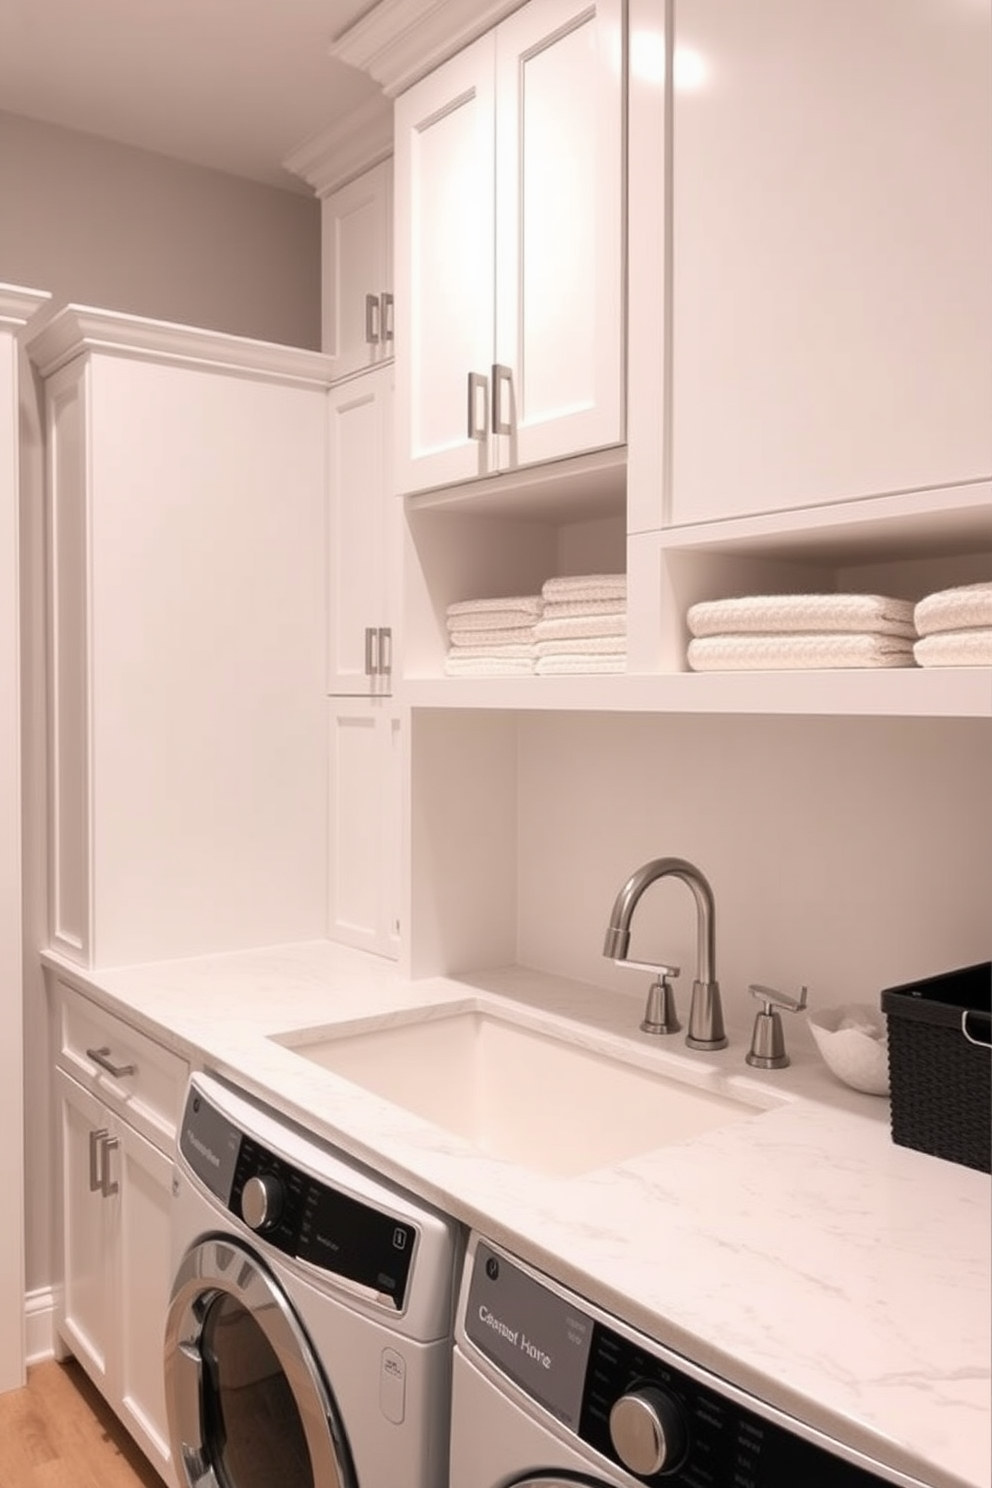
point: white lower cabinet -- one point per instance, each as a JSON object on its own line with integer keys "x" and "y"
{"x": 114, "y": 1201}
{"x": 365, "y": 775}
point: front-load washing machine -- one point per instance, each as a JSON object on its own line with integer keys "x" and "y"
{"x": 308, "y": 1340}
{"x": 549, "y": 1391}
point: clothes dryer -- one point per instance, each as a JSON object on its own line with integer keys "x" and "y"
{"x": 550, "y": 1391}
{"x": 308, "y": 1341}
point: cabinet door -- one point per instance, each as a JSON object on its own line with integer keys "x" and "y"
{"x": 88, "y": 1228}
{"x": 357, "y": 271}
{"x": 444, "y": 270}
{"x": 365, "y": 775}
{"x": 831, "y": 238}
{"x": 361, "y": 523}
{"x": 559, "y": 223}
{"x": 145, "y": 1280}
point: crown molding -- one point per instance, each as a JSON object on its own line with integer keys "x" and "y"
{"x": 346, "y": 148}
{"x": 78, "y": 329}
{"x": 399, "y": 41}
{"x": 18, "y": 305}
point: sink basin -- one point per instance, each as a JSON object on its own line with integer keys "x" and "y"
{"x": 516, "y": 1091}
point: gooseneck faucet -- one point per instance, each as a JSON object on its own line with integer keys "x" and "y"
{"x": 706, "y": 1013}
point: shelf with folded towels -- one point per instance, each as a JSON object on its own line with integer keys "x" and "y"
{"x": 790, "y": 632}
{"x": 576, "y": 625}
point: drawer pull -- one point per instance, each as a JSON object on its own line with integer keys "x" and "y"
{"x": 103, "y": 1059}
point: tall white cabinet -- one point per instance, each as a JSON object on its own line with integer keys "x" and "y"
{"x": 186, "y": 512}
{"x": 17, "y": 306}
{"x": 509, "y": 230}
{"x": 363, "y": 576}
{"x": 366, "y": 736}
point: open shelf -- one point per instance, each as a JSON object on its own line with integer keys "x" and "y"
{"x": 940, "y": 692}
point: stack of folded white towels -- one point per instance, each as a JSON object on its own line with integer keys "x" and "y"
{"x": 955, "y": 627}
{"x": 583, "y": 625}
{"x": 492, "y": 637}
{"x": 576, "y": 624}
{"x": 797, "y": 631}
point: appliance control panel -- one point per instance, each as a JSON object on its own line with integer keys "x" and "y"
{"x": 641, "y": 1407}
{"x": 294, "y": 1210}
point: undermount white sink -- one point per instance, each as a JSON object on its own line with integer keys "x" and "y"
{"x": 522, "y": 1093}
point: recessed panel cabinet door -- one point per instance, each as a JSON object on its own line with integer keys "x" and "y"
{"x": 357, "y": 271}
{"x": 146, "y": 1266}
{"x": 831, "y": 239}
{"x": 365, "y": 762}
{"x": 445, "y": 269}
{"x": 559, "y": 222}
{"x": 89, "y": 1232}
{"x": 360, "y": 532}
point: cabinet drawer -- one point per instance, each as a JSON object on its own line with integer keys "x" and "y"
{"x": 130, "y": 1072}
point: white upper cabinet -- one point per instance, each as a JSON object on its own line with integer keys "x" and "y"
{"x": 509, "y": 234}
{"x": 831, "y": 230}
{"x": 357, "y": 271}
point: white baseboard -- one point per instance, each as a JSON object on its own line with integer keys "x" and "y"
{"x": 39, "y": 1324}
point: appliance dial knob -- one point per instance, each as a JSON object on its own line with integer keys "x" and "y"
{"x": 647, "y": 1430}
{"x": 262, "y": 1201}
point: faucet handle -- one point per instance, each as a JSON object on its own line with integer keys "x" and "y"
{"x": 767, "y": 1049}
{"x": 773, "y": 999}
{"x": 658, "y": 970}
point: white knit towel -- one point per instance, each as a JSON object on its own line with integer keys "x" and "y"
{"x": 584, "y": 646}
{"x": 560, "y": 666}
{"x": 955, "y": 648}
{"x": 573, "y": 626}
{"x": 564, "y": 609}
{"x": 515, "y": 649}
{"x": 488, "y": 666}
{"x": 773, "y": 614}
{"x": 490, "y": 620}
{"x": 585, "y": 586}
{"x": 529, "y": 603}
{"x": 963, "y": 608}
{"x": 488, "y": 639}
{"x": 745, "y": 653}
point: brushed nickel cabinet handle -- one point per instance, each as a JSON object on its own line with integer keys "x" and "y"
{"x": 478, "y": 405}
{"x": 108, "y": 1145}
{"x": 96, "y": 1142}
{"x": 370, "y": 650}
{"x": 502, "y": 378}
{"x": 385, "y": 649}
{"x": 372, "y": 319}
{"x": 102, "y": 1057}
{"x": 386, "y": 315}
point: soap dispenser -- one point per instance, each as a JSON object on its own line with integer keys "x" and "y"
{"x": 767, "y": 1049}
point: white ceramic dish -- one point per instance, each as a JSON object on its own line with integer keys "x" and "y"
{"x": 853, "y": 1040}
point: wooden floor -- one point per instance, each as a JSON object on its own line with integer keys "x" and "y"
{"x": 58, "y": 1433}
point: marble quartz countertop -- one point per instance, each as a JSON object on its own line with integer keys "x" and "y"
{"x": 800, "y": 1255}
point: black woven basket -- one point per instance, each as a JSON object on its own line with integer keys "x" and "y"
{"x": 940, "y": 1063}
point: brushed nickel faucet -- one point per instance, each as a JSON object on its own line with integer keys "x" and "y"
{"x": 706, "y": 1029}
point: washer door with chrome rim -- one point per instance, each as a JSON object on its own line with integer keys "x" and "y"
{"x": 247, "y": 1402}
